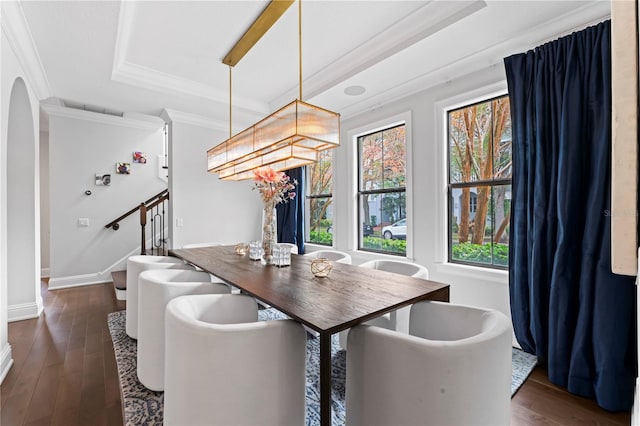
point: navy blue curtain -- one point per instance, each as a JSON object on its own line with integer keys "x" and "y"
{"x": 567, "y": 306}
{"x": 291, "y": 214}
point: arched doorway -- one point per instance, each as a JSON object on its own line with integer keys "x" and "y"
{"x": 23, "y": 261}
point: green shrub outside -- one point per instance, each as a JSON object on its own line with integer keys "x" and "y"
{"x": 392, "y": 246}
{"x": 325, "y": 223}
{"x": 320, "y": 237}
{"x": 481, "y": 253}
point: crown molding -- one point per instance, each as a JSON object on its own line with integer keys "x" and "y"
{"x": 16, "y": 29}
{"x": 194, "y": 119}
{"x": 137, "y": 75}
{"x": 427, "y": 20}
{"x": 148, "y": 78}
{"x": 141, "y": 122}
{"x": 492, "y": 56}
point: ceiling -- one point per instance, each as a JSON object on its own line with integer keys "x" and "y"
{"x": 148, "y": 56}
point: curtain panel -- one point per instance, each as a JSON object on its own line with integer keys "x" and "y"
{"x": 291, "y": 215}
{"x": 567, "y": 306}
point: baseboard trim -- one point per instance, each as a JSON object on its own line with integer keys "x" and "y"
{"x": 23, "y": 311}
{"x": 6, "y": 361}
{"x": 44, "y": 272}
{"x": 78, "y": 281}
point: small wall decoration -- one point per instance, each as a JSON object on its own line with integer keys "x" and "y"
{"x": 102, "y": 180}
{"x": 139, "y": 157}
{"x": 123, "y": 168}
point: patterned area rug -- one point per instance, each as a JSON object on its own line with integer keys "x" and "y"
{"x": 144, "y": 407}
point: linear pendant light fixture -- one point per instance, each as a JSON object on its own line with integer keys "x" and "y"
{"x": 288, "y": 138}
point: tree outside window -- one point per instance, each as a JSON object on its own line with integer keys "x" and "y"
{"x": 319, "y": 200}
{"x": 381, "y": 191}
{"x": 479, "y": 141}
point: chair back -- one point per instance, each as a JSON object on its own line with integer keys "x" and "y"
{"x": 398, "y": 267}
{"x": 223, "y": 367}
{"x": 458, "y": 375}
{"x": 199, "y": 245}
{"x": 332, "y": 255}
{"x": 156, "y": 288}
{"x": 135, "y": 266}
{"x": 293, "y": 247}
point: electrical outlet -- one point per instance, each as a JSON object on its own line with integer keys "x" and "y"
{"x": 83, "y": 221}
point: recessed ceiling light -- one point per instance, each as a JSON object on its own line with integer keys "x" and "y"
{"x": 354, "y": 90}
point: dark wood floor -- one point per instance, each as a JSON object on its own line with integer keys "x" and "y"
{"x": 65, "y": 372}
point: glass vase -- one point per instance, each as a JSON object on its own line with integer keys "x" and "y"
{"x": 269, "y": 233}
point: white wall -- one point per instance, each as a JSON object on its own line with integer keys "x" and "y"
{"x": 11, "y": 70}
{"x": 426, "y": 191}
{"x": 81, "y": 145}
{"x": 205, "y": 208}
{"x": 44, "y": 204}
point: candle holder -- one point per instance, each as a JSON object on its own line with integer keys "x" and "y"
{"x": 255, "y": 250}
{"x": 281, "y": 255}
{"x": 321, "y": 267}
{"x": 241, "y": 249}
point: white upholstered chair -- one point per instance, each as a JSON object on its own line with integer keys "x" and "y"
{"x": 223, "y": 367}
{"x": 397, "y": 320}
{"x": 199, "y": 245}
{"x": 155, "y": 289}
{"x": 454, "y": 368}
{"x": 293, "y": 247}
{"x": 332, "y": 255}
{"x": 214, "y": 278}
{"x": 135, "y": 266}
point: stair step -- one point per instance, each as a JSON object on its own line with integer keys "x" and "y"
{"x": 119, "y": 279}
{"x": 120, "y": 284}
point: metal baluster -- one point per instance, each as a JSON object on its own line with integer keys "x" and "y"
{"x": 164, "y": 242}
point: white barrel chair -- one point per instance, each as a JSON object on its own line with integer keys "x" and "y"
{"x": 135, "y": 266}
{"x": 454, "y": 368}
{"x": 223, "y": 367}
{"x": 214, "y": 278}
{"x": 293, "y": 247}
{"x": 332, "y": 255}
{"x": 200, "y": 245}
{"x": 396, "y": 320}
{"x": 156, "y": 288}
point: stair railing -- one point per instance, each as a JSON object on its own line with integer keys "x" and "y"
{"x": 152, "y": 210}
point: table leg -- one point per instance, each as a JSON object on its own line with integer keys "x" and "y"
{"x": 325, "y": 379}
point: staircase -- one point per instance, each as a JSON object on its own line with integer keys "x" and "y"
{"x": 120, "y": 284}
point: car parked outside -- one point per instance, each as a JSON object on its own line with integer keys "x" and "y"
{"x": 395, "y": 231}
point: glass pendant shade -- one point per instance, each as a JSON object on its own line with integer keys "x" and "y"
{"x": 288, "y": 138}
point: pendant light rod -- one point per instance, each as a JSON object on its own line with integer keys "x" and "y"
{"x": 230, "y": 111}
{"x": 274, "y": 10}
{"x": 300, "y": 46}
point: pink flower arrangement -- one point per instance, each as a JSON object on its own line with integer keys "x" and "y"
{"x": 274, "y": 187}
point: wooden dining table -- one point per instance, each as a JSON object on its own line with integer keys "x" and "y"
{"x": 349, "y": 296}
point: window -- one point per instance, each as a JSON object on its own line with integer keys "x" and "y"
{"x": 319, "y": 200}
{"x": 479, "y": 183}
{"x": 382, "y": 208}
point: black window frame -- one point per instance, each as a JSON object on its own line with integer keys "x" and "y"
{"x": 309, "y": 196}
{"x": 475, "y": 184}
{"x": 382, "y": 191}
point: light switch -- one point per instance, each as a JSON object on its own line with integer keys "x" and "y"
{"x": 179, "y": 222}
{"x": 83, "y": 221}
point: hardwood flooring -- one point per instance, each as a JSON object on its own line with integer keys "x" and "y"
{"x": 65, "y": 371}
